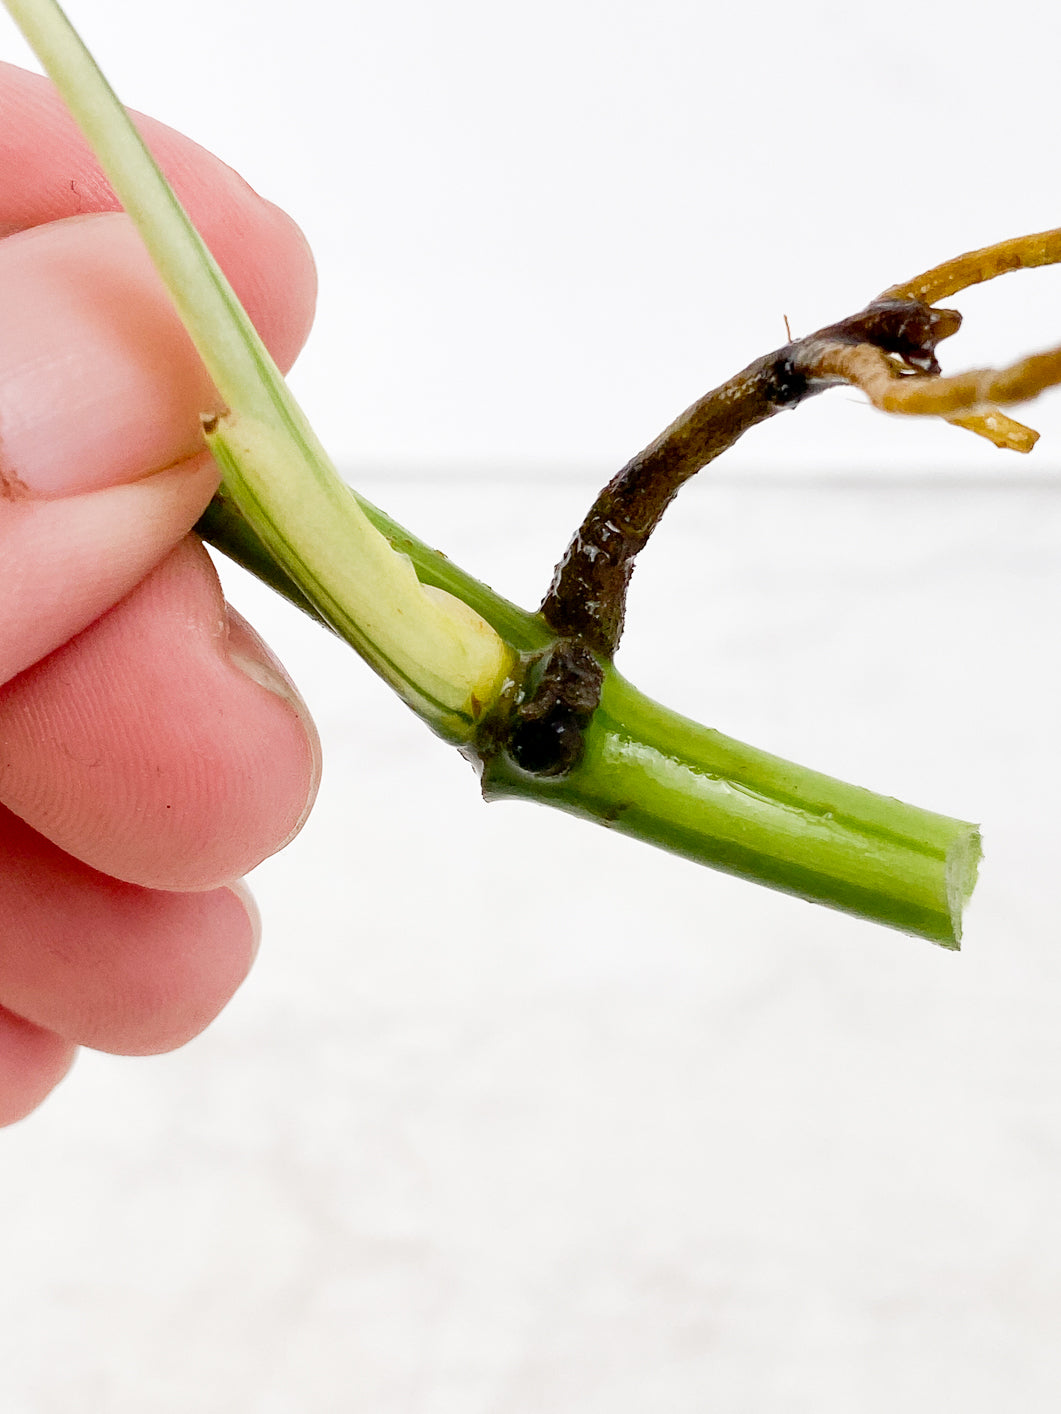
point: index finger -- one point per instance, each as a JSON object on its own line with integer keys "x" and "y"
{"x": 99, "y": 385}
{"x": 47, "y": 172}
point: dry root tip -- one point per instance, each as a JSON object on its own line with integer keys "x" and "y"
{"x": 1003, "y": 431}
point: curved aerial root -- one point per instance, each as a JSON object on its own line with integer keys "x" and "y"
{"x": 888, "y": 350}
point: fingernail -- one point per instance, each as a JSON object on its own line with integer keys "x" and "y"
{"x": 247, "y": 652}
{"x": 99, "y": 383}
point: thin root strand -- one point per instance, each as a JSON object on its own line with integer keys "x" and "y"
{"x": 976, "y": 266}
{"x": 968, "y": 400}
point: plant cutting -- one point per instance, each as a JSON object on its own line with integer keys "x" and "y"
{"x": 532, "y": 698}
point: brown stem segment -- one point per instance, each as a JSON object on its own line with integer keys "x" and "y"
{"x": 587, "y": 598}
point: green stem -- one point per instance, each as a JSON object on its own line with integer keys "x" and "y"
{"x": 657, "y": 776}
{"x": 663, "y": 779}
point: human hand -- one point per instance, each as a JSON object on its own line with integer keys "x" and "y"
{"x": 151, "y": 748}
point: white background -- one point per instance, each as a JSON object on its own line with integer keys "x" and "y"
{"x": 514, "y": 1116}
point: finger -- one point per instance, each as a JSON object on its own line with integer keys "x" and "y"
{"x": 47, "y": 172}
{"x": 163, "y": 745}
{"x": 32, "y": 1062}
{"x": 99, "y": 385}
{"x": 66, "y": 562}
{"x": 109, "y": 965}
{"x": 99, "y": 382}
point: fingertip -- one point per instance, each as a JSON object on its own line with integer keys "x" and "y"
{"x": 99, "y": 382}
{"x": 49, "y": 173}
{"x": 143, "y": 750}
{"x": 249, "y": 904}
{"x": 248, "y": 652}
{"x": 109, "y": 965}
{"x": 32, "y": 1063}
{"x": 173, "y": 993}
{"x": 280, "y": 291}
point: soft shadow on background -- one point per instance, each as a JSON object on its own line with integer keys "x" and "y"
{"x": 515, "y": 1116}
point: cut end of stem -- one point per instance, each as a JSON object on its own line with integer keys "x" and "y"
{"x": 963, "y": 863}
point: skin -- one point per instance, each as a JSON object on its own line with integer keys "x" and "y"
{"x": 152, "y": 750}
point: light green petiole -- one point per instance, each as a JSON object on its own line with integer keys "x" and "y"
{"x": 439, "y": 655}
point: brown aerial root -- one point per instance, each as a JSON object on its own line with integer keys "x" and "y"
{"x": 970, "y": 400}
{"x": 888, "y": 350}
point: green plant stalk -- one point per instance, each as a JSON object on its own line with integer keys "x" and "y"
{"x": 663, "y": 779}
{"x": 650, "y": 773}
{"x": 449, "y": 645}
